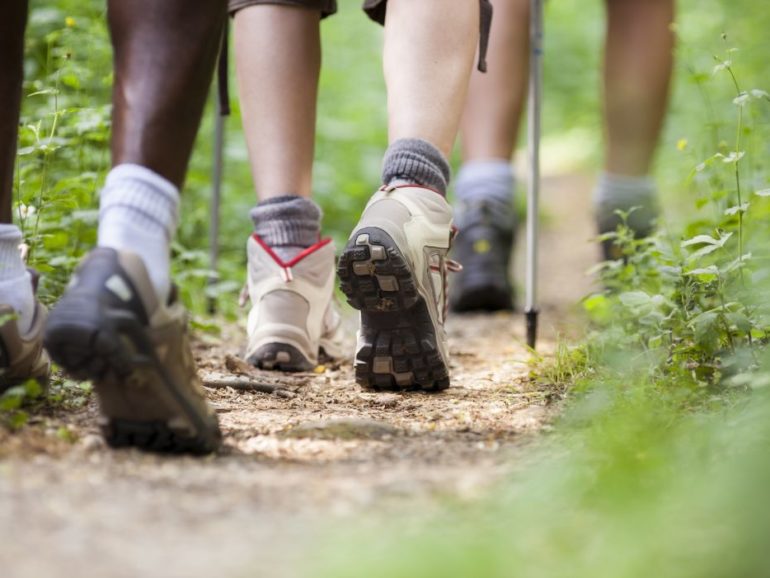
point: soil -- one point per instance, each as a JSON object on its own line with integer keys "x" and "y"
{"x": 316, "y": 450}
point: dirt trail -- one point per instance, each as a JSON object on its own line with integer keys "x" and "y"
{"x": 317, "y": 450}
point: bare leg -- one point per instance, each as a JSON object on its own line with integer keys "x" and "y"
{"x": 490, "y": 123}
{"x": 164, "y": 58}
{"x": 13, "y": 17}
{"x": 429, "y": 51}
{"x": 484, "y": 186}
{"x": 278, "y": 58}
{"x": 638, "y": 65}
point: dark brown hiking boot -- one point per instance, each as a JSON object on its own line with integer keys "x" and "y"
{"x": 109, "y": 327}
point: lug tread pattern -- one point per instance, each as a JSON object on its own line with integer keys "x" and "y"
{"x": 397, "y": 346}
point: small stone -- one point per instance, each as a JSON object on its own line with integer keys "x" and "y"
{"x": 342, "y": 429}
{"x": 92, "y": 443}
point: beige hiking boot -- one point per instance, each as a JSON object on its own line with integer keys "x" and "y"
{"x": 394, "y": 271}
{"x": 22, "y": 356}
{"x": 293, "y": 317}
{"x": 110, "y": 327}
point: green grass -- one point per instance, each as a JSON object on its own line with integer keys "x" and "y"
{"x": 632, "y": 484}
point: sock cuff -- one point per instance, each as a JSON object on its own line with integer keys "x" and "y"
{"x": 611, "y": 187}
{"x": 148, "y": 197}
{"x": 416, "y": 161}
{"x": 491, "y": 179}
{"x": 10, "y": 233}
{"x": 11, "y": 264}
{"x": 485, "y": 168}
{"x": 128, "y": 171}
{"x": 289, "y": 220}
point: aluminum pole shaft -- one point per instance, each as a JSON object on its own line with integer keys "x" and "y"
{"x": 216, "y": 196}
{"x": 533, "y": 191}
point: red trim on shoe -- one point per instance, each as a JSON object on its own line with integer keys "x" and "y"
{"x": 297, "y": 258}
{"x": 387, "y": 188}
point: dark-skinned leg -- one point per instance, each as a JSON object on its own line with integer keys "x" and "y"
{"x": 13, "y": 17}
{"x": 164, "y": 58}
{"x": 21, "y": 339}
{"x": 118, "y": 325}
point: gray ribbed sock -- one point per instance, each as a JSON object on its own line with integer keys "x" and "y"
{"x": 412, "y": 161}
{"x": 15, "y": 282}
{"x": 287, "y": 224}
{"x": 489, "y": 181}
{"x": 619, "y": 192}
{"x": 138, "y": 212}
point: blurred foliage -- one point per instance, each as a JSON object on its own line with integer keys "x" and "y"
{"x": 65, "y": 127}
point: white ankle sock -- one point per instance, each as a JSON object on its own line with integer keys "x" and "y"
{"x": 15, "y": 281}
{"x": 138, "y": 212}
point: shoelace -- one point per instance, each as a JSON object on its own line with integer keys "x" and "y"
{"x": 447, "y": 265}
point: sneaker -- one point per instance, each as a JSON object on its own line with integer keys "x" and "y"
{"x": 484, "y": 245}
{"x": 22, "y": 356}
{"x": 293, "y": 318}
{"x": 393, "y": 270}
{"x": 110, "y": 327}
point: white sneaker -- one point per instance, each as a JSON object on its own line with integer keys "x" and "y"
{"x": 394, "y": 270}
{"x": 293, "y": 316}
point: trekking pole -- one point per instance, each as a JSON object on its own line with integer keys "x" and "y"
{"x": 216, "y": 195}
{"x": 222, "y": 109}
{"x": 533, "y": 145}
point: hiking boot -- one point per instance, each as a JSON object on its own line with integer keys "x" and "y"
{"x": 293, "y": 318}
{"x": 22, "y": 356}
{"x": 484, "y": 245}
{"x": 393, "y": 270}
{"x": 110, "y": 327}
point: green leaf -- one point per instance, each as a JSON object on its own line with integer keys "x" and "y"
{"x": 723, "y": 65}
{"x": 635, "y": 299}
{"x": 700, "y": 240}
{"x": 655, "y": 342}
{"x": 18, "y": 420}
{"x": 742, "y": 99}
{"x": 739, "y": 321}
{"x": 704, "y": 274}
{"x": 737, "y": 209}
{"x": 732, "y": 158}
{"x": 711, "y": 243}
{"x": 704, "y": 324}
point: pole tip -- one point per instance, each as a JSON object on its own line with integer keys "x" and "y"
{"x": 531, "y": 315}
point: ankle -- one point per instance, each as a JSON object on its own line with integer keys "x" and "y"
{"x": 288, "y": 224}
{"x": 416, "y": 162}
{"x": 139, "y": 213}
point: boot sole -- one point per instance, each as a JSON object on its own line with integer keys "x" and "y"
{"x": 111, "y": 348}
{"x": 280, "y": 357}
{"x": 397, "y": 348}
